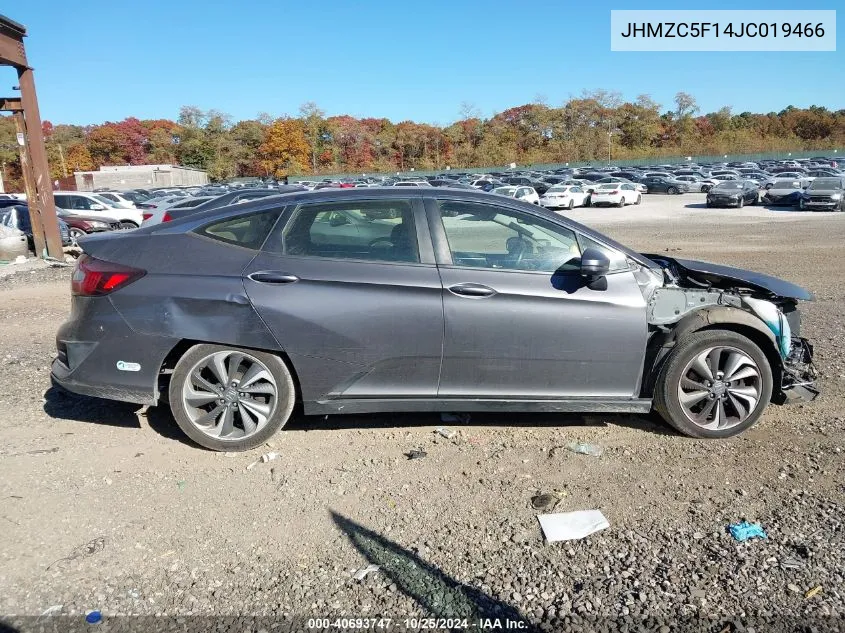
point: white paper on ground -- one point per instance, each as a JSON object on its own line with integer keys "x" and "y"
{"x": 571, "y": 526}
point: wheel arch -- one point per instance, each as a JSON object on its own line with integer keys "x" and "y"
{"x": 182, "y": 347}
{"x": 711, "y": 318}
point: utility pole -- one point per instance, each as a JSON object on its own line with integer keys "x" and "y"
{"x": 42, "y": 207}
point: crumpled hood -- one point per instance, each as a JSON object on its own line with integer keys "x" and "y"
{"x": 717, "y": 274}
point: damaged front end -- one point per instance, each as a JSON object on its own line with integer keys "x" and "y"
{"x": 691, "y": 296}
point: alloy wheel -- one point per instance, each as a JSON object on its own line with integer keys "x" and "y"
{"x": 719, "y": 388}
{"x": 229, "y": 395}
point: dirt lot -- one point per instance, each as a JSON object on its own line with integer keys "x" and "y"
{"x": 106, "y": 506}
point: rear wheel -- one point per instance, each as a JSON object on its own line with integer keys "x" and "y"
{"x": 571, "y": 204}
{"x": 672, "y": 190}
{"x": 714, "y": 384}
{"x": 801, "y": 204}
{"x": 639, "y": 199}
{"x": 230, "y": 399}
{"x": 75, "y": 234}
{"x": 621, "y": 202}
{"x": 740, "y": 203}
{"x": 125, "y": 225}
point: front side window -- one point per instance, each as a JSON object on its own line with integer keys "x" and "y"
{"x": 485, "y": 236}
{"x": 248, "y": 231}
{"x": 374, "y": 230}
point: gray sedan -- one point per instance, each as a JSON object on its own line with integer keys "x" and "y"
{"x": 419, "y": 299}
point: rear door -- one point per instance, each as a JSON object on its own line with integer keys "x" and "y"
{"x": 351, "y": 291}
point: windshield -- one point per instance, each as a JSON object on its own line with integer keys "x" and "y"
{"x": 559, "y": 188}
{"x": 610, "y": 186}
{"x": 106, "y": 201}
{"x": 786, "y": 184}
{"x": 826, "y": 183}
{"x": 725, "y": 186}
{"x": 505, "y": 191}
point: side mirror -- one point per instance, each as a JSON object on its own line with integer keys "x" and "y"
{"x": 594, "y": 263}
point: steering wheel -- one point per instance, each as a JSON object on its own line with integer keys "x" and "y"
{"x": 384, "y": 238}
{"x": 518, "y": 247}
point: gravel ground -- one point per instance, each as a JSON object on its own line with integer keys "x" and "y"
{"x": 106, "y": 506}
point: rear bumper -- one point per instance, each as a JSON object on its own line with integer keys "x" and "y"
{"x": 99, "y": 355}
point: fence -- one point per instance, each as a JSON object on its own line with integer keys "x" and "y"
{"x": 652, "y": 160}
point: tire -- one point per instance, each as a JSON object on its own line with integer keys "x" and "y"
{"x": 740, "y": 203}
{"x": 705, "y": 188}
{"x": 125, "y": 225}
{"x": 639, "y": 199}
{"x": 588, "y": 201}
{"x": 621, "y": 203}
{"x": 571, "y": 204}
{"x": 801, "y": 204}
{"x": 672, "y": 190}
{"x": 667, "y": 394}
{"x": 275, "y": 409}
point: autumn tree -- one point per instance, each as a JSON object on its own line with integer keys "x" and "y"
{"x": 285, "y": 149}
{"x": 314, "y": 128}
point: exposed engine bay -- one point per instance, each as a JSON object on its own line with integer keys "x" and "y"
{"x": 694, "y": 294}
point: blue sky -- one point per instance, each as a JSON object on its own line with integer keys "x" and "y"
{"x": 99, "y": 60}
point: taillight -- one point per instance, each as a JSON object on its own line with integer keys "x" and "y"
{"x": 94, "y": 277}
{"x": 167, "y": 217}
{"x": 613, "y": 193}
{"x": 146, "y": 216}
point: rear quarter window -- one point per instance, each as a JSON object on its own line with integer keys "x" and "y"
{"x": 248, "y": 231}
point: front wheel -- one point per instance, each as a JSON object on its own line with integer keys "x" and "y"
{"x": 672, "y": 190}
{"x": 801, "y": 204}
{"x": 740, "y": 203}
{"x": 230, "y": 399}
{"x": 639, "y": 199}
{"x": 126, "y": 225}
{"x": 714, "y": 384}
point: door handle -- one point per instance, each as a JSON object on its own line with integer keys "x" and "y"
{"x": 472, "y": 290}
{"x": 273, "y": 277}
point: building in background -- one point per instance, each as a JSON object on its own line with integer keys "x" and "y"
{"x": 125, "y": 177}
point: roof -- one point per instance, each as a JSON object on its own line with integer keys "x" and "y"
{"x": 16, "y": 28}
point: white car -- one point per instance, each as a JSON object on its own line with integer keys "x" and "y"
{"x": 412, "y": 183}
{"x": 788, "y": 175}
{"x": 119, "y": 200}
{"x": 564, "y": 197}
{"x": 92, "y": 205}
{"x": 520, "y": 192}
{"x": 697, "y": 184}
{"x": 617, "y": 194}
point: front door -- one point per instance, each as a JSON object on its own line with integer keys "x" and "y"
{"x": 354, "y": 298}
{"x": 520, "y": 320}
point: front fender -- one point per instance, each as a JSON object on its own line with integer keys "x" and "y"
{"x": 736, "y": 319}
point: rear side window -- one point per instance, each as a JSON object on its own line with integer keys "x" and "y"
{"x": 248, "y": 231}
{"x": 374, "y": 230}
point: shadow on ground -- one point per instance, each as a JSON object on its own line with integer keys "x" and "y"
{"x": 65, "y": 405}
{"x": 438, "y": 594}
